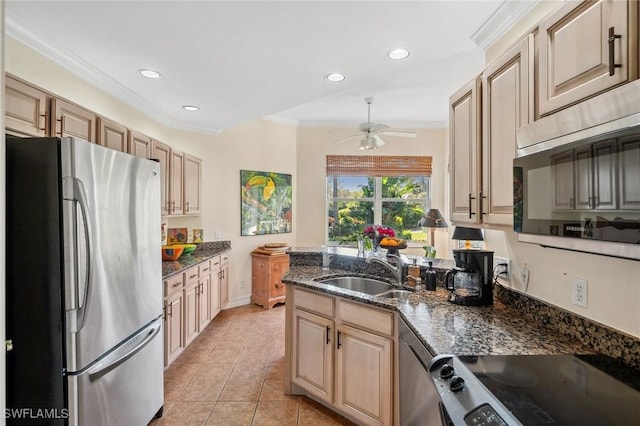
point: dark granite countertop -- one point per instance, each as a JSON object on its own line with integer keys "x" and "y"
{"x": 203, "y": 252}
{"x": 448, "y": 328}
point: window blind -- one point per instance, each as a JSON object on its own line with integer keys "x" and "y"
{"x": 378, "y": 165}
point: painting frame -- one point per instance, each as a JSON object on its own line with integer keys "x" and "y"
{"x": 265, "y": 203}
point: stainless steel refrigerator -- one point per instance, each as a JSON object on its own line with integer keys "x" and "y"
{"x": 84, "y": 285}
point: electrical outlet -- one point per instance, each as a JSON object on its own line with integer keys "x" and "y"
{"x": 218, "y": 234}
{"x": 579, "y": 292}
{"x": 503, "y": 272}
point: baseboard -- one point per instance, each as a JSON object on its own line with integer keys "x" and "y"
{"x": 240, "y": 301}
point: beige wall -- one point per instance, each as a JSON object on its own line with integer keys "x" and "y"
{"x": 314, "y": 144}
{"x": 613, "y": 284}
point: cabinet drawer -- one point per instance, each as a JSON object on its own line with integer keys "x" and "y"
{"x": 191, "y": 276}
{"x": 313, "y": 302}
{"x": 364, "y": 317}
{"x": 224, "y": 259}
{"x": 173, "y": 285}
{"x": 205, "y": 268}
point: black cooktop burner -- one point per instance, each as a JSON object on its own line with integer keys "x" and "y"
{"x": 561, "y": 389}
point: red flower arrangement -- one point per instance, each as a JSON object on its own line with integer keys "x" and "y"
{"x": 378, "y": 231}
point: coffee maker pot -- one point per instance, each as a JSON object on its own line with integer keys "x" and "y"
{"x": 471, "y": 282}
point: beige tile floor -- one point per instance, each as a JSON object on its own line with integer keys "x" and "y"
{"x": 233, "y": 374}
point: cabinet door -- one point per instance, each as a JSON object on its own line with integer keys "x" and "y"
{"x": 562, "y": 176}
{"x": 605, "y": 183}
{"x": 279, "y": 267}
{"x": 629, "y": 173}
{"x": 25, "y": 109}
{"x": 173, "y": 328}
{"x": 191, "y": 314}
{"x": 216, "y": 278}
{"x": 259, "y": 279}
{"x": 112, "y": 135}
{"x": 162, "y": 153}
{"x": 224, "y": 280}
{"x": 574, "y": 58}
{"x": 139, "y": 145}
{"x": 364, "y": 375}
{"x": 506, "y": 106}
{"x": 464, "y": 158}
{"x": 192, "y": 179}
{"x": 176, "y": 173}
{"x": 312, "y": 360}
{"x": 204, "y": 311}
{"x": 71, "y": 120}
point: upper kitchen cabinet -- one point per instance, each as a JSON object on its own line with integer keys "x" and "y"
{"x": 464, "y": 138}
{"x": 139, "y": 145}
{"x": 585, "y": 48}
{"x": 26, "y": 109}
{"x": 176, "y": 180}
{"x": 192, "y": 178}
{"x": 71, "y": 120}
{"x": 507, "y": 103}
{"x": 112, "y": 135}
{"x": 162, "y": 153}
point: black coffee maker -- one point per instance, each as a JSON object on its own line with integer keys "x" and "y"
{"x": 471, "y": 283}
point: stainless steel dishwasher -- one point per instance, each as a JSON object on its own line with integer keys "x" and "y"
{"x": 419, "y": 398}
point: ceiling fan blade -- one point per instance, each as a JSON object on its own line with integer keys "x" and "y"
{"x": 400, "y": 134}
{"x": 347, "y": 138}
{"x": 378, "y": 127}
{"x": 378, "y": 141}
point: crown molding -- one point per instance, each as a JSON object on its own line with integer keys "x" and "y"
{"x": 505, "y": 17}
{"x": 392, "y": 124}
{"x": 92, "y": 75}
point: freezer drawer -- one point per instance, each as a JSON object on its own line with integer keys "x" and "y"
{"x": 124, "y": 388}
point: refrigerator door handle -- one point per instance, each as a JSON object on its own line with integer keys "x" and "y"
{"x": 116, "y": 358}
{"x": 78, "y": 194}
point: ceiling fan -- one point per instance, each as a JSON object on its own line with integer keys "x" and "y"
{"x": 370, "y": 132}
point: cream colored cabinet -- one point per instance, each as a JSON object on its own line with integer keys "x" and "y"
{"x": 224, "y": 279}
{"x": 176, "y": 176}
{"x": 204, "y": 312}
{"x": 71, "y": 120}
{"x": 173, "y": 319}
{"x": 192, "y": 179}
{"x": 585, "y": 47}
{"x": 267, "y": 288}
{"x": 341, "y": 353}
{"x": 191, "y": 305}
{"x": 26, "y": 109}
{"x": 629, "y": 173}
{"x": 312, "y": 366}
{"x": 162, "y": 153}
{"x": 112, "y": 135}
{"x": 214, "y": 290}
{"x": 507, "y": 104}
{"x": 139, "y": 145}
{"x": 464, "y": 139}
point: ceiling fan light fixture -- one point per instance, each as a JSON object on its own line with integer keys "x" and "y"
{"x": 149, "y": 74}
{"x": 398, "y": 54}
{"x": 335, "y": 77}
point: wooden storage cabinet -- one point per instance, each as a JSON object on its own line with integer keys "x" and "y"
{"x": 71, "y": 120}
{"x": 176, "y": 181}
{"x": 575, "y": 43}
{"x": 192, "y": 179}
{"x": 139, "y": 145}
{"x": 113, "y": 135}
{"x": 266, "y": 279}
{"x": 341, "y": 353}
{"x": 225, "y": 259}
{"x": 191, "y": 304}
{"x": 162, "y": 153}
{"x": 174, "y": 342}
{"x": 26, "y": 109}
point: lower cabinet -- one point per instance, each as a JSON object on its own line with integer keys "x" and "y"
{"x": 341, "y": 353}
{"x": 224, "y": 279}
{"x": 173, "y": 319}
{"x": 191, "y": 314}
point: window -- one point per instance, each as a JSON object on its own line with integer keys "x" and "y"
{"x": 358, "y": 195}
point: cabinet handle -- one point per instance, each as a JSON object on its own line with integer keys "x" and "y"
{"x": 277, "y": 286}
{"x": 176, "y": 284}
{"x": 173, "y": 206}
{"x": 612, "y": 60}
{"x": 43, "y": 128}
{"x": 482, "y": 197}
{"x": 338, "y": 341}
{"x": 186, "y": 206}
{"x": 328, "y": 334}
{"x": 61, "y": 120}
{"x": 164, "y": 313}
{"x": 193, "y": 276}
{"x": 470, "y": 212}
{"x": 170, "y": 313}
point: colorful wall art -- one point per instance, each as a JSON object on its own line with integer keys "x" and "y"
{"x": 266, "y": 202}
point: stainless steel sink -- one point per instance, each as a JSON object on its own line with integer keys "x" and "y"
{"x": 362, "y": 285}
{"x": 395, "y": 293}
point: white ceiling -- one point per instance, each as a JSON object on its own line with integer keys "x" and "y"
{"x": 244, "y": 60}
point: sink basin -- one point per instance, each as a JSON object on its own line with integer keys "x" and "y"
{"x": 363, "y": 285}
{"x": 395, "y": 293}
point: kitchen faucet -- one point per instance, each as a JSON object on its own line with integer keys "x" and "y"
{"x": 397, "y": 270}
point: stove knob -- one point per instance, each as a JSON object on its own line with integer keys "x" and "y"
{"x": 446, "y": 371}
{"x": 457, "y": 384}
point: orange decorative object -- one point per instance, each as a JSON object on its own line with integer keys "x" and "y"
{"x": 171, "y": 252}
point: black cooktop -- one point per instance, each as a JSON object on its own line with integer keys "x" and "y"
{"x": 561, "y": 389}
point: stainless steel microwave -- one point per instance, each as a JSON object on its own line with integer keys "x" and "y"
{"x": 577, "y": 186}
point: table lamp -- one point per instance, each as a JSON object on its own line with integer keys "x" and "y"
{"x": 468, "y": 235}
{"x": 433, "y": 219}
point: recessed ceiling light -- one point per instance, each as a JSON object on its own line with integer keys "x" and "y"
{"x": 335, "y": 77}
{"x": 191, "y": 107}
{"x": 149, "y": 73}
{"x": 398, "y": 54}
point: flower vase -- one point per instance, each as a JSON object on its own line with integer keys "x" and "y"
{"x": 375, "y": 244}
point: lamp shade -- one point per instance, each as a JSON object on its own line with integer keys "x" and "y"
{"x": 433, "y": 219}
{"x": 468, "y": 234}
